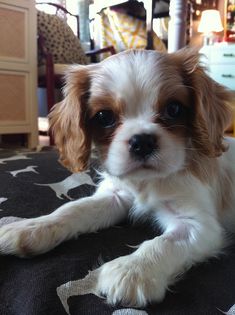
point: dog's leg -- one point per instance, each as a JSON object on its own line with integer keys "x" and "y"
{"x": 106, "y": 207}
{"x": 144, "y": 276}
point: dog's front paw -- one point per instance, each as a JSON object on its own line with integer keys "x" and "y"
{"x": 131, "y": 281}
{"x": 28, "y": 237}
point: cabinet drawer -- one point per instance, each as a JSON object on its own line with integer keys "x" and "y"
{"x": 223, "y": 74}
{"x": 223, "y": 55}
{"x": 14, "y": 28}
{"x": 14, "y": 104}
{"x": 218, "y": 54}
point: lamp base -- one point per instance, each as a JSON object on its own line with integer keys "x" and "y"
{"x": 209, "y": 39}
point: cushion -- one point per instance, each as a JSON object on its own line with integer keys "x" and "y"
{"x": 123, "y": 31}
{"x": 59, "y": 39}
{"x": 58, "y": 282}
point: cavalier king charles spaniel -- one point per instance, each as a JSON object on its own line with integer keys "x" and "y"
{"x": 157, "y": 121}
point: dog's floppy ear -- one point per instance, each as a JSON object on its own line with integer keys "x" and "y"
{"x": 68, "y": 120}
{"x": 211, "y": 111}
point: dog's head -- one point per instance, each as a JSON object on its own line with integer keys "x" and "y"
{"x": 148, "y": 113}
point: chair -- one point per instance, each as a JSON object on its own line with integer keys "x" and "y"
{"x": 58, "y": 47}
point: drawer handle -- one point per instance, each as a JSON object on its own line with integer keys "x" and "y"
{"x": 227, "y": 75}
{"x": 228, "y": 55}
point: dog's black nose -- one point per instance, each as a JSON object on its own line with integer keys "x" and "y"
{"x": 141, "y": 146}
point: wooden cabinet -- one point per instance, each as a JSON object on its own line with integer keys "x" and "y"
{"x": 18, "y": 69}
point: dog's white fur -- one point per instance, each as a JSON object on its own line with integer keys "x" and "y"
{"x": 187, "y": 186}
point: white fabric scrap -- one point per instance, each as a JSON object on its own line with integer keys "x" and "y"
{"x": 2, "y": 199}
{"x": 231, "y": 311}
{"x": 75, "y": 180}
{"x": 78, "y": 287}
{"x": 30, "y": 168}
{"x": 84, "y": 286}
{"x": 14, "y": 158}
{"x": 129, "y": 311}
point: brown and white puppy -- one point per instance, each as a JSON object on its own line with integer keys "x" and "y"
{"x": 157, "y": 121}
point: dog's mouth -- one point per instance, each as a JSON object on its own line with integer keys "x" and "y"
{"x": 137, "y": 170}
{"x": 142, "y": 168}
{"x": 147, "y": 167}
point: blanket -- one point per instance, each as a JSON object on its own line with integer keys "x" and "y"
{"x": 61, "y": 281}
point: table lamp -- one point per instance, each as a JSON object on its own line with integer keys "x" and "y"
{"x": 210, "y": 23}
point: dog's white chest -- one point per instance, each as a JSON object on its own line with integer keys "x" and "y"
{"x": 151, "y": 200}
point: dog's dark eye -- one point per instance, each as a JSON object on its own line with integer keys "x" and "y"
{"x": 105, "y": 118}
{"x": 173, "y": 110}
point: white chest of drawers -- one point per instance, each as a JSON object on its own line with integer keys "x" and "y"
{"x": 220, "y": 62}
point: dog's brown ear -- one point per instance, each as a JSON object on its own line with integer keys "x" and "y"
{"x": 68, "y": 120}
{"x": 211, "y": 110}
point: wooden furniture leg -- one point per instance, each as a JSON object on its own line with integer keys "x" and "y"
{"x": 177, "y": 25}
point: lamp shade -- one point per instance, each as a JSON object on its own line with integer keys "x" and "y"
{"x": 210, "y": 22}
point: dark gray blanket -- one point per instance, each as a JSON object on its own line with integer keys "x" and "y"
{"x": 33, "y": 184}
